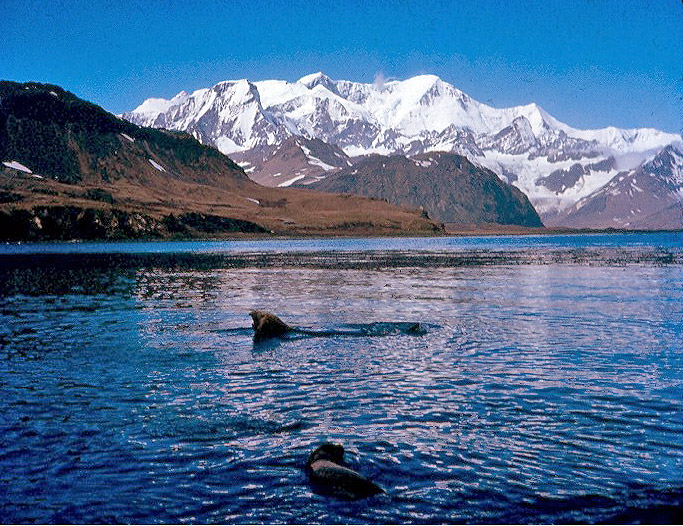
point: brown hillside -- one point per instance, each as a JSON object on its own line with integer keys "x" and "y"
{"x": 95, "y": 176}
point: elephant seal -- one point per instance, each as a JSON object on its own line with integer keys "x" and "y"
{"x": 267, "y": 325}
{"x": 326, "y": 469}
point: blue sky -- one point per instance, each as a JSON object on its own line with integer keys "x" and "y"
{"x": 589, "y": 63}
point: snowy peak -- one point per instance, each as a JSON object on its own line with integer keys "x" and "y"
{"x": 555, "y": 164}
{"x": 517, "y": 138}
{"x": 668, "y": 164}
{"x": 417, "y": 114}
{"x": 650, "y": 196}
{"x": 236, "y": 92}
{"x": 318, "y": 79}
{"x": 228, "y": 115}
{"x": 151, "y": 108}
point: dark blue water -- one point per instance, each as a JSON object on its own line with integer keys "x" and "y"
{"x": 545, "y": 393}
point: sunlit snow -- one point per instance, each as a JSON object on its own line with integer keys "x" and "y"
{"x": 315, "y": 161}
{"x": 291, "y": 181}
{"x": 227, "y": 145}
{"x": 17, "y": 166}
{"x": 420, "y": 114}
{"x": 157, "y": 165}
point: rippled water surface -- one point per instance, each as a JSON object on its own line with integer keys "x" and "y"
{"x": 546, "y": 391}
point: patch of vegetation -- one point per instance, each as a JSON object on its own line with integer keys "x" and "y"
{"x": 210, "y": 224}
{"x": 279, "y": 203}
{"x": 40, "y": 146}
{"x": 45, "y": 191}
{"x": 351, "y": 225}
{"x": 98, "y": 194}
{"x": 10, "y": 197}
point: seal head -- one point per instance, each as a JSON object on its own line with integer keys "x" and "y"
{"x": 267, "y": 325}
{"x": 327, "y": 451}
{"x": 328, "y": 473}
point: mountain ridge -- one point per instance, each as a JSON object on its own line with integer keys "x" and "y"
{"x": 523, "y": 144}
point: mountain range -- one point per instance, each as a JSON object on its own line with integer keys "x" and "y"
{"x": 71, "y": 170}
{"x": 298, "y": 133}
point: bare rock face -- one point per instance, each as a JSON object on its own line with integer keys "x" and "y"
{"x": 267, "y": 325}
{"x": 298, "y": 160}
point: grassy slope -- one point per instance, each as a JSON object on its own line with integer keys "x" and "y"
{"x": 87, "y": 162}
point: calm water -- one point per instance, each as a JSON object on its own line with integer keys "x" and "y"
{"x": 545, "y": 389}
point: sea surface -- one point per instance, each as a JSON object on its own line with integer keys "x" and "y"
{"x": 545, "y": 384}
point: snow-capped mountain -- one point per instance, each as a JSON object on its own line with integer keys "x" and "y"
{"x": 651, "y": 196}
{"x": 229, "y": 116}
{"x": 554, "y": 164}
{"x": 70, "y": 170}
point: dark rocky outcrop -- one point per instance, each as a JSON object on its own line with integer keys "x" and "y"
{"x": 43, "y": 223}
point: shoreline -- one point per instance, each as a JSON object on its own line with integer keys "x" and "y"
{"x": 464, "y": 230}
{"x": 512, "y": 230}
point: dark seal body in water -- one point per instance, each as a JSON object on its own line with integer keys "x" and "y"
{"x": 267, "y": 325}
{"x": 327, "y": 471}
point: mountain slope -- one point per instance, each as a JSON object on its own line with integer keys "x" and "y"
{"x": 68, "y": 169}
{"x": 650, "y": 196}
{"x": 449, "y": 188}
{"x": 73, "y": 141}
{"x": 297, "y": 160}
{"x": 524, "y": 145}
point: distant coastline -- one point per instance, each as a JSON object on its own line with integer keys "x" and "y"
{"x": 450, "y": 230}
{"x": 508, "y": 230}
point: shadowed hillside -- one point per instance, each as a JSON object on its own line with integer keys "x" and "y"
{"x": 448, "y": 186}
